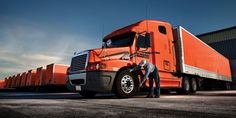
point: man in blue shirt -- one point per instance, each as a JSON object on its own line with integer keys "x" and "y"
{"x": 151, "y": 72}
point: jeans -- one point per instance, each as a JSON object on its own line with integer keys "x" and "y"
{"x": 154, "y": 75}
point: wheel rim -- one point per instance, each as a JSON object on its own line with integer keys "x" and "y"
{"x": 127, "y": 84}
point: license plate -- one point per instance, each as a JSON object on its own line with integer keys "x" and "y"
{"x": 78, "y": 88}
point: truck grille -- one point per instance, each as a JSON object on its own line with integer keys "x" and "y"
{"x": 78, "y": 63}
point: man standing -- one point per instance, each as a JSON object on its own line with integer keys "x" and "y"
{"x": 151, "y": 72}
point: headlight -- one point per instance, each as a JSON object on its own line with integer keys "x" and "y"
{"x": 97, "y": 66}
{"x": 102, "y": 65}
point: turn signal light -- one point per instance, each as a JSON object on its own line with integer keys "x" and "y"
{"x": 96, "y": 66}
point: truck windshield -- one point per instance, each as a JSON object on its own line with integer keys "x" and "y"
{"x": 123, "y": 40}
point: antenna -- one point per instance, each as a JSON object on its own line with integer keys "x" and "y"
{"x": 147, "y": 15}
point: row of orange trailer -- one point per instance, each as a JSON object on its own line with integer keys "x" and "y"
{"x": 53, "y": 74}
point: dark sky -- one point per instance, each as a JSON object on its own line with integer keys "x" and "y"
{"x": 38, "y": 32}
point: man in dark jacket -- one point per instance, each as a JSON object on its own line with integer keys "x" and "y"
{"x": 151, "y": 72}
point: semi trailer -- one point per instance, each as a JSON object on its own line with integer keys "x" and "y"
{"x": 185, "y": 63}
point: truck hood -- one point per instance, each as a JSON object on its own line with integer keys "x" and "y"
{"x": 112, "y": 53}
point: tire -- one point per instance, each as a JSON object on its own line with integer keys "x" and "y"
{"x": 125, "y": 85}
{"x": 185, "y": 87}
{"x": 227, "y": 84}
{"x": 193, "y": 87}
{"x": 87, "y": 94}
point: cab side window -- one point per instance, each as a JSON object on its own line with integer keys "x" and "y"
{"x": 162, "y": 29}
{"x": 141, "y": 42}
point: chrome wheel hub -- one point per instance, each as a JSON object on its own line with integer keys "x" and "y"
{"x": 127, "y": 84}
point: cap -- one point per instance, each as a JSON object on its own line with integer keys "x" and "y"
{"x": 143, "y": 63}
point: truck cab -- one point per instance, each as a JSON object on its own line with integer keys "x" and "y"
{"x": 106, "y": 69}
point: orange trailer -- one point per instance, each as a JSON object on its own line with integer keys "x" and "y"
{"x": 184, "y": 61}
{"x": 2, "y": 84}
{"x": 56, "y": 74}
{"x": 39, "y": 77}
{"x": 23, "y": 79}
{"x": 28, "y": 78}
{"x": 18, "y": 80}
{"x": 9, "y": 83}
{"x": 6, "y": 82}
{"x": 13, "y": 83}
{"x": 197, "y": 58}
{"x": 31, "y": 74}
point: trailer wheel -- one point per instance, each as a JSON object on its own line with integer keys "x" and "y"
{"x": 87, "y": 94}
{"x": 185, "y": 86}
{"x": 193, "y": 88}
{"x": 125, "y": 85}
{"x": 227, "y": 84}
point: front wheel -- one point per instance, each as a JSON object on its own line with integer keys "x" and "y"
{"x": 125, "y": 85}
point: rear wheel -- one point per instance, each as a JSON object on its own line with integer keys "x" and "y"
{"x": 227, "y": 84}
{"x": 193, "y": 86}
{"x": 125, "y": 85}
{"x": 87, "y": 94}
{"x": 185, "y": 86}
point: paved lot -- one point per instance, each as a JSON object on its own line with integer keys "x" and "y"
{"x": 50, "y": 105}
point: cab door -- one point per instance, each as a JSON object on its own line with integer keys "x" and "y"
{"x": 143, "y": 48}
{"x": 162, "y": 43}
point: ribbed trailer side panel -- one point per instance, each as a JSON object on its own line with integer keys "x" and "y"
{"x": 197, "y": 58}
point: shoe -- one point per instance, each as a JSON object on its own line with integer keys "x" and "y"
{"x": 157, "y": 96}
{"x": 150, "y": 96}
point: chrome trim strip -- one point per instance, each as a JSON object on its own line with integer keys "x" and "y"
{"x": 205, "y": 73}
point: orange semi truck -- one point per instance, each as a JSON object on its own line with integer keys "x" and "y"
{"x": 184, "y": 61}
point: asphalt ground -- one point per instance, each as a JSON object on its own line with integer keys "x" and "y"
{"x": 219, "y": 104}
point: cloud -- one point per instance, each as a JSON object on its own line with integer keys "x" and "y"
{"x": 28, "y": 46}
{"x": 10, "y": 70}
{"x": 8, "y": 57}
{"x": 41, "y": 57}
